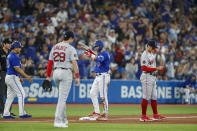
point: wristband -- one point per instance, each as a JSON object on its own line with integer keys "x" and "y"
{"x": 77, "y": 75}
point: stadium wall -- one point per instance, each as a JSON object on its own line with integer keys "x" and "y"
{"x": 119, "y": 91}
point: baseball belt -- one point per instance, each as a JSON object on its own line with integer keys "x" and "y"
{"x": 150, "y": 73}
{"x": 61, "y": 68}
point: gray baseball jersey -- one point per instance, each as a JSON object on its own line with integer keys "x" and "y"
{"x": 62, "y": 54}
{"x": 148, "y": 81}
{"x": 148, "y": 59}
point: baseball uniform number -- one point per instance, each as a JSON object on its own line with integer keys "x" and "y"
{"x": 59, "y": 56}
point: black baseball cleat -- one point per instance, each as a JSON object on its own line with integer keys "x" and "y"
{"x": 25, "y": 116}
{"x": 12, "y": 114}
{"x": 8, "y": 117}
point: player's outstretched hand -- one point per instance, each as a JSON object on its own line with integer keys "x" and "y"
{"x": 29, "y": 79}
{"x": 91, "y": 52}
{"x": 87, "y": 53}
{"x": 77, "y": 82}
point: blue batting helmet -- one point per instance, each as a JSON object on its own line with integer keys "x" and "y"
{"x": 15, "y": 44}
{"x": 98, "y": 43}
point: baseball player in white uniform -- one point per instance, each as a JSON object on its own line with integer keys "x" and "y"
{"x": 148, "y": 80}
{"x": 13, "y": 82}
{"x": 102, "y": 80}
{"x": 63, "y": 59}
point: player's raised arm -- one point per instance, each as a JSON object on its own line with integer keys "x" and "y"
{"x": 91, "y": 55}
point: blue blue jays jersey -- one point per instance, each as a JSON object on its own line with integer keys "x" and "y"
{"x": 188, "y": 82}
{"x": 102, "y": 62}
{"x": 13, "y": 61}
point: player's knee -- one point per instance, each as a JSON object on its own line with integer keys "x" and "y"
{"x": 146, "y": 97}
{"x": 154, "y": 97}
{"x": 102, "y": 99}
{"x": 10, "y": 97}
{"x": 21, "y": 96}
{"x": 92, "y": 94}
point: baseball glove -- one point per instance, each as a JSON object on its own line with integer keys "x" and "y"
{"x": 47, "y": 86}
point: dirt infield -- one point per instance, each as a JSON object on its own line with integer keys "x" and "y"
{"x": 132, "y": 119}
{"x": 171, "y": 119}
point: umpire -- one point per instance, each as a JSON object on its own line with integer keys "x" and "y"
{"x": 4, "y": 51}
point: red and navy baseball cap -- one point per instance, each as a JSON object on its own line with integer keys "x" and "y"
{"x": 152, "y": 43}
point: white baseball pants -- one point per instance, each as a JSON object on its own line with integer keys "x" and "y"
{"x": 189, "y": 94}
{"x": 14, "y": 88}
{"x": 149, "y": 86}
{"x": 100, "y": 85}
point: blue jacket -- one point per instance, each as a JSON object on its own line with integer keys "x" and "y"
{"x": 188, "y": 82}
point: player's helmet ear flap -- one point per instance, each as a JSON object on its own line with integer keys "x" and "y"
{"x": 100, "y": 44}
{"x": 15, "y": 44}
{"x": 68, "y": 34}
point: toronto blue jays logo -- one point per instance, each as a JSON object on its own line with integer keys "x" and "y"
{"x": 99, "y": 64}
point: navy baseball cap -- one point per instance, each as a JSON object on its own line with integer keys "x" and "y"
{"x": 152, "y": 43}
{"x": 68, "y": 34}
{"x": 7, "y": 41}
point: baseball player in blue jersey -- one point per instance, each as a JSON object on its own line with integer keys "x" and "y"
{"x": 102, "y": 80}
{"x": 13, "y": 82}
{"x": 190, "y": 88}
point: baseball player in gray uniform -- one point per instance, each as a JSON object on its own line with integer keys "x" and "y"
{"x": 62, "y": 60}
{"x": 148, "y": 80}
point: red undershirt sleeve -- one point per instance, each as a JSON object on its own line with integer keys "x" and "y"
{"x": 145, "y": 68}
{"x": 49, "y": 68}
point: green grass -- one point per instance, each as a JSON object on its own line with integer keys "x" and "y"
{"x": 96, "y": 127}
{"x": 43, "y": 111}
{"x": 113, "y": 110}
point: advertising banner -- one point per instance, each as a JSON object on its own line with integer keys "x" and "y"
{"x": 119, "y": 91}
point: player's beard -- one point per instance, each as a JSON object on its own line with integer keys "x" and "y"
{"x": 18, "y": 51}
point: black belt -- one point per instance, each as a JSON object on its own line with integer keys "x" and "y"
{"x": 98, "y": 74}
{"x": 61, "y": 68}
{"x": 150, "y": 73}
